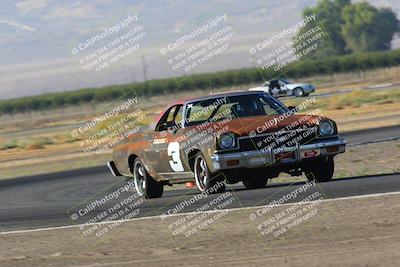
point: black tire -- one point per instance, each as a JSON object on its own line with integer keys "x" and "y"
{"x": 321, "y": 171}
{"x": 205, "y": 180}
{"x": 145, "y": 184}
{"x": 254, "y": 182}
{"x": 298, "y": 92}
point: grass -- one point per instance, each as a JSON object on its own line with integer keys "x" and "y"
{"x": 354, "y": 99}
{"x": 39, "y": 143}
{"x": 63, "y": 138}
{"x": 118, "y": 119}
{"x": 9, "y": 144}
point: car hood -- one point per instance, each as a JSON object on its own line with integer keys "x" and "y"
{"x": 267, "y": 124}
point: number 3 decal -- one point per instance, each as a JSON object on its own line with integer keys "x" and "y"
{"x": 173, "y": 151}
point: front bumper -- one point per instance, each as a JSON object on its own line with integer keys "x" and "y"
{"x": 309, "y": 90}
{"x": 260, "y": 158}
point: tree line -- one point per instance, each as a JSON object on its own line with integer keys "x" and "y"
{"x": 357, "y": 27}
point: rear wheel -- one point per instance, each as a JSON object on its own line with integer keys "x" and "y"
{"x": 205, "y": 180}
{"x": 298, "y": 92}
{"x": 321, "y": 170}
{"x": 254, "y": 182}
{"x": 145, "y": 184}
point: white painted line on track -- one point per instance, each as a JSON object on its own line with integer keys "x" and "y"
{"x": 200, "y": 212}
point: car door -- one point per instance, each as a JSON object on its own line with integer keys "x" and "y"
{"x": 166, "y": 148}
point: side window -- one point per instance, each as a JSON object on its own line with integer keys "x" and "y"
{"x": 171, "y": 114}
{"x": 178, "y": 116}
{"x": 169, "y": 117}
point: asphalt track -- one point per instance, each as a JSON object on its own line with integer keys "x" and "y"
{"x": 45, "y": 200}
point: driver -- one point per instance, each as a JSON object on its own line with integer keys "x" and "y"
{"x": 247, "y": 107}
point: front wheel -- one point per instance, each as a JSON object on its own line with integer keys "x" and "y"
{"x": 321, "y": 171}
{"x": 145, "y": 184}
{"x": 205, "y": 180}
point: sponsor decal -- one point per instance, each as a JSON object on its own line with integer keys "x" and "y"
{"x": 311, "y": 153}
{"x": 159, "y": 141}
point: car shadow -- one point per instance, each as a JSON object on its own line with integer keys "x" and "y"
{"x": 239, "y": 187}
{"x": 285, "y": 184}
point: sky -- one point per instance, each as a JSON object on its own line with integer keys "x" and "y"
{"x": 42, "y": 42}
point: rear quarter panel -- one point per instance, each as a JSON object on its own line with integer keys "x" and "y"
{"x": 134, "y": 145}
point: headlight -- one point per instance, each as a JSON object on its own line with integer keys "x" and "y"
{"x": 226, "y": 141}
{"x": 326, "y": 128}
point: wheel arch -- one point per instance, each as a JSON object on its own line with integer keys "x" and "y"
{"x": 131, "y": 160}
{"x": 192, "y": 156}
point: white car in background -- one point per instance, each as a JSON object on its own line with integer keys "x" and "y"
{"x": 281, "y": 87}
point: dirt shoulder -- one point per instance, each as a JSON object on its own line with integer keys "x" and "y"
{"x": 350, "y": 232}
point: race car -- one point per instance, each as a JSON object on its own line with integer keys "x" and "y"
{"x": 232, "y": 137}
{"x": 278, "y": 88}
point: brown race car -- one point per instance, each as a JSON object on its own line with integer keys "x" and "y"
{"x": 246, "y": 136}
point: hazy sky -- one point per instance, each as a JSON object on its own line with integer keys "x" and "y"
{"x": 37, "y": 36}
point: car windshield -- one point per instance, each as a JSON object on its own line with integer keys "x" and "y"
{"x": 237, "y": 106}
